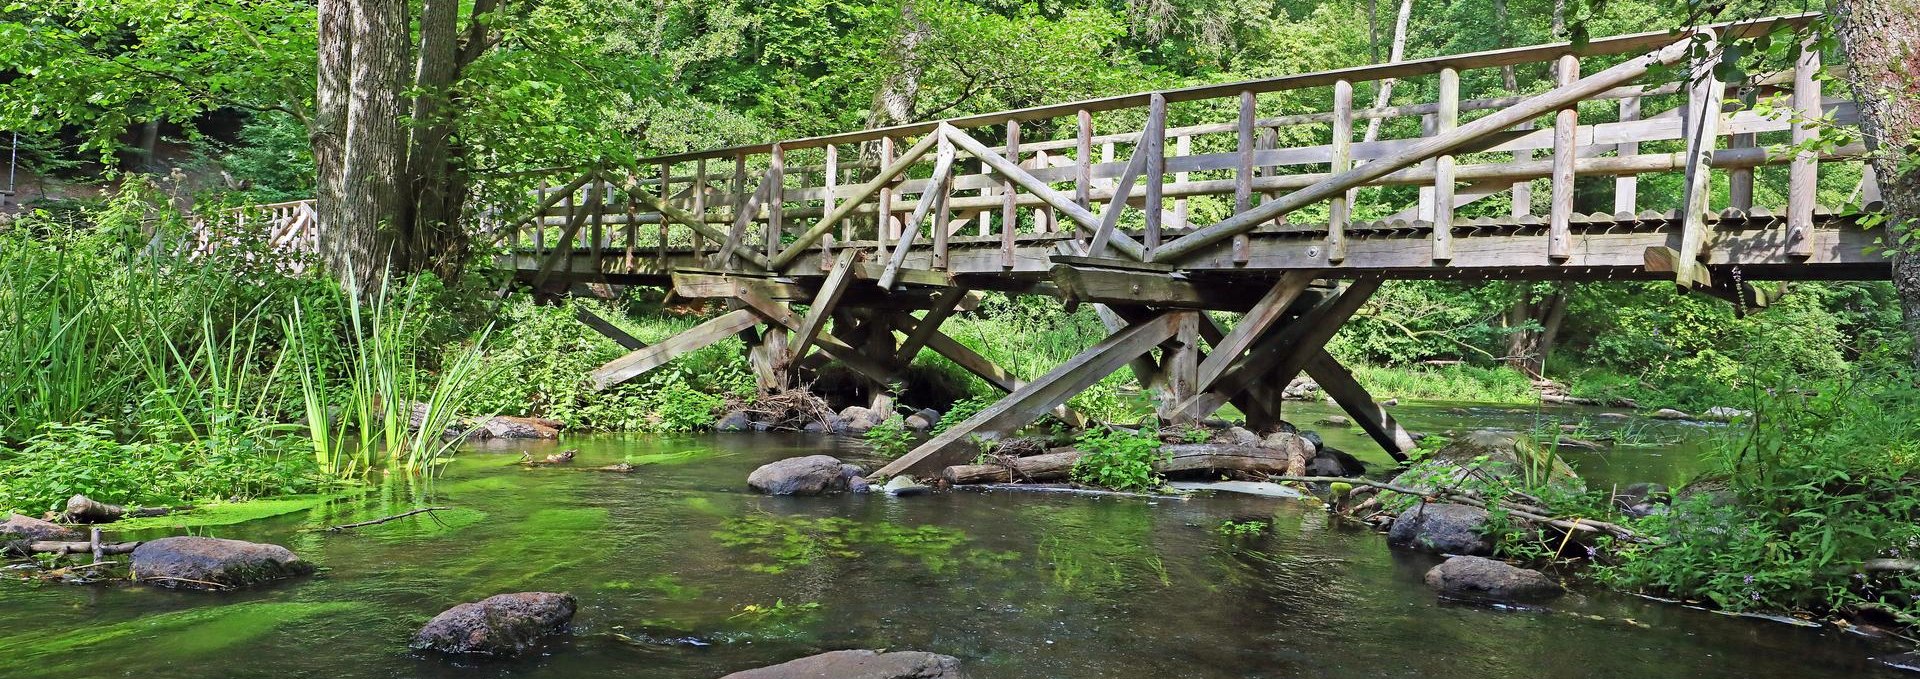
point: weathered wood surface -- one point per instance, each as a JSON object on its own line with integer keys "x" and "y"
{"x": 1178, "y": 457}
{"x": 634, "y": 364}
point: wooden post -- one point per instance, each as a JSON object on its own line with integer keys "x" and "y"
{"x": 1153, "y": 142}
{"x": 1338, "y": 211}
{"x": 824, "y": 302}
{"x": 699, "y": 206}
{"x": 660, "y": 247}
{"x": 1009, "y": 212}
{"x": 1180, "y": 365}
{"x": 1083, "y": 160}
{"x": 1703, "y": 132}
{"x": 829, "y": 182}
{"x": 1445, "y": 120}
{"x": 776, "y": 198}
{"x": 1523, "y": 189}
{"x": 883, "y": 215}
{"x": 1803, "y": 175}
{"x": 740, "y": 201}
{"x": 634, "y": 364}
{"x": 1429, "y": 126}
{"x": 936, "y": 186}
{"x": 942, "y": 220}
{"x": 1182, "y": 147}
{"x": 1626, "y": 187}
{"x": 1740, "y": 179}
{"x": 1243, "y": 175}
{"x": 1566, "y": 122}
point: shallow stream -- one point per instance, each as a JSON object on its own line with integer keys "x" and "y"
{"x": 682, "y": 573}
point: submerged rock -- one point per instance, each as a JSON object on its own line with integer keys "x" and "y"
{"x": 1473, "y": 577}
{"x": 1335, "y": 421}
{"x": 905, "y": 486}
{"x": 213, "y": 563}
{"x": 734, "y": 421}
{"x": 501, "y": 625}
{"x": 861, "y": 665}
{"x": 1725, "y": 414}
{"x": 809, "y": 475}
{"x": 1335, "y": 462}
{"x": 1442, "y": 529}
{"x": 1670, "y": 414}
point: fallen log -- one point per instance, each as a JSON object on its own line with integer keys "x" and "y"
{"x": 562, "y": 457}
{"x": 384, "y": 519}
{"x": 1178, "y": 457}
{"x": 82, "y": 509}
{"x": 63, "y": 548}
{"x": 1524, "y": 511}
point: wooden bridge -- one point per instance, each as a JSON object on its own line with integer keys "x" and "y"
{"x": 1250, "y": 197}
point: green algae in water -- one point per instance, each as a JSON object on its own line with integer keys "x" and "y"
{"x": 788, "y": 543}
{"x": 542, "y": 543}
{"x": 680, "y": 457}
{"x": 228, "y": 513}
{"x": 177, "y": 635}
{"x": 425, "y": 525}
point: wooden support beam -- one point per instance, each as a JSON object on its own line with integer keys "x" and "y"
{"x": 1083, "y": 160}
{"x": 1292, "y": 345}
{"x": 1339, "y": 383}
{"x": 1180, "y": 368}
{"x": 606, "y": 328}
{"x": 973, "y": 362}
{"x": 1110, "y": 217}
{"x": 824, "y": 303}
{"x": 1009, "y": 212}
{"x": 1081, "y": 284}
{"x": 1466, "y": 134}
{"x": 699, "y": 337}
{"x": 1445, "y": 120}
{"x": 1033, "y": 399}
{"x": 776, "y": 191}
{"x": 694, "y": 221}
{"x": 1740, "y": 179}
{"x": 782, "y": 319}
{"x": 1252, "y": 326}
{"x": 925, "y": 328}
{"x": 1702, "y": 132}
{"x": 1565, "y": 122}
{"x": 743, "y": 215}
{"x": 1803, "y": 176}
{"x": 1243, "y": 173}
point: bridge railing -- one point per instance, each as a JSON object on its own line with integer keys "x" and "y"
{"x": 1196, "y": 171}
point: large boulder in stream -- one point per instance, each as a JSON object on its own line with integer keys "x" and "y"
{"x": 29, "y": 529}
{"x": 213, "y": 563}
{"x": 497, "y": 626}
{"x": 810, "y": 475}
{"x": 1442, "y": 529}
{"x": 1477, "y": 578}
{"x": 861, "y": 665}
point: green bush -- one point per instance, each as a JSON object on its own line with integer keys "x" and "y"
{"x": 1119, "y": 460}
{"x": 1810, "y": 491}
{"x": 88, "y": 459}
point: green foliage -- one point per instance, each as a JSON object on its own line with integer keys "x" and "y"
{"x": 1119, "y": 460}
{"x": 88, "y": 458}
{"x": 1815, "y": 486}
{"x": 890, "y": 438}
{"x": 963, "y": 409}
{"x": 1241, "y": 529}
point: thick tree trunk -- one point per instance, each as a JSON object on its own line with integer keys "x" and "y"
{"x": 1534, "y": 324}
{"x": 431, "y": 237}
{"x": 1880, "y": 39}
{"x": 899, "y": 93}
{"x": 1384, "y": 95}
{"x": 376, "y": 138}
{"x": 329, "y": 131}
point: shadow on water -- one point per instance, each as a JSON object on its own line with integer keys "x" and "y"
{"x": 682, "y": 573}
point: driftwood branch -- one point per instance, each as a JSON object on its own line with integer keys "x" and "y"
{"x": 384, "y": 519}
{"x": 1528, "y": 512}
{"x": 64, "y": 548}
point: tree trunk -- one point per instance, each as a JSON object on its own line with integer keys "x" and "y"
{"x": 328, "y": 133}
{"x": 431, "y": 237}
{"x": 376, "y": 139}
{"x": 1505, "y": 27}
{"x": 1879, "y": 38}
{"x": 1384, "y": 94}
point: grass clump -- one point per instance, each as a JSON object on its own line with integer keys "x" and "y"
{"x": 1120, "y": 460}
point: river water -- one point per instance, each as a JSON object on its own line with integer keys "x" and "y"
{"x": 681, "y": 572}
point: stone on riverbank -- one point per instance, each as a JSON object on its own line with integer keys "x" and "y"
{"x": 501, "y": 625}
{"x": 29, "y": 529}
{"x": 1335, "y": 421}
{"x": 213, "y": 563}
{"x": 1442, "y": 529}
{"x": 859, "y": 419}
{"x": 1473, "y": 577}
{"x": 1335, "y": 462}
{"x": 1670, "y": 414}
{"x": 1725, "y": 414}
{"x": 905, "y": 486}
{"x": 861, "y": 665}
{"x": 809, "y": 475}
{"x": 734, "y": 421}
{"x": 925, "y": 419}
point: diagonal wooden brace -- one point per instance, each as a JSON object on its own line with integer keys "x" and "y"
{"x": 824, "y": 303}
{"x": 1054, "y": 199}
{"x": 1339, "y": 383}
{"x": 700, "y": 336}
{"x": 973, "y": 362}
{"x": 1035, "y": 398}
{"x": 1277, "y": 359}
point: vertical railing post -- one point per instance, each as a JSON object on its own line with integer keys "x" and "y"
{"x": 1429, "y": 126}
{"x": 666, "y": 198}
{"x": 1704, "y": 100}
{"x": 1243, "y": 175}
{"x": 699, "y": 205}
{"x": 829, "y": 181}
{"x": 1009, "y": 210}
{"x": 1447, "y": 118}
{"x": 1182, "y": 147}
{"x": 1740, "y": 179}
{"x": 539, "y": 220}
{"x": 1803, "y": 174}
{"x": 942, "y": 222}
{"x": 1523, "y": 189}
{"x": 776, "y": 198}
{"x": 883, "y": 214}
{"x": 1338, "y": 211}
{"x": 1153, "y": 142}
{"x": 740, "y": 199}
{"x": 1566, "y": 122}
{"x": 1083, "y": 158}
{"x": 1626, "y": 187}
